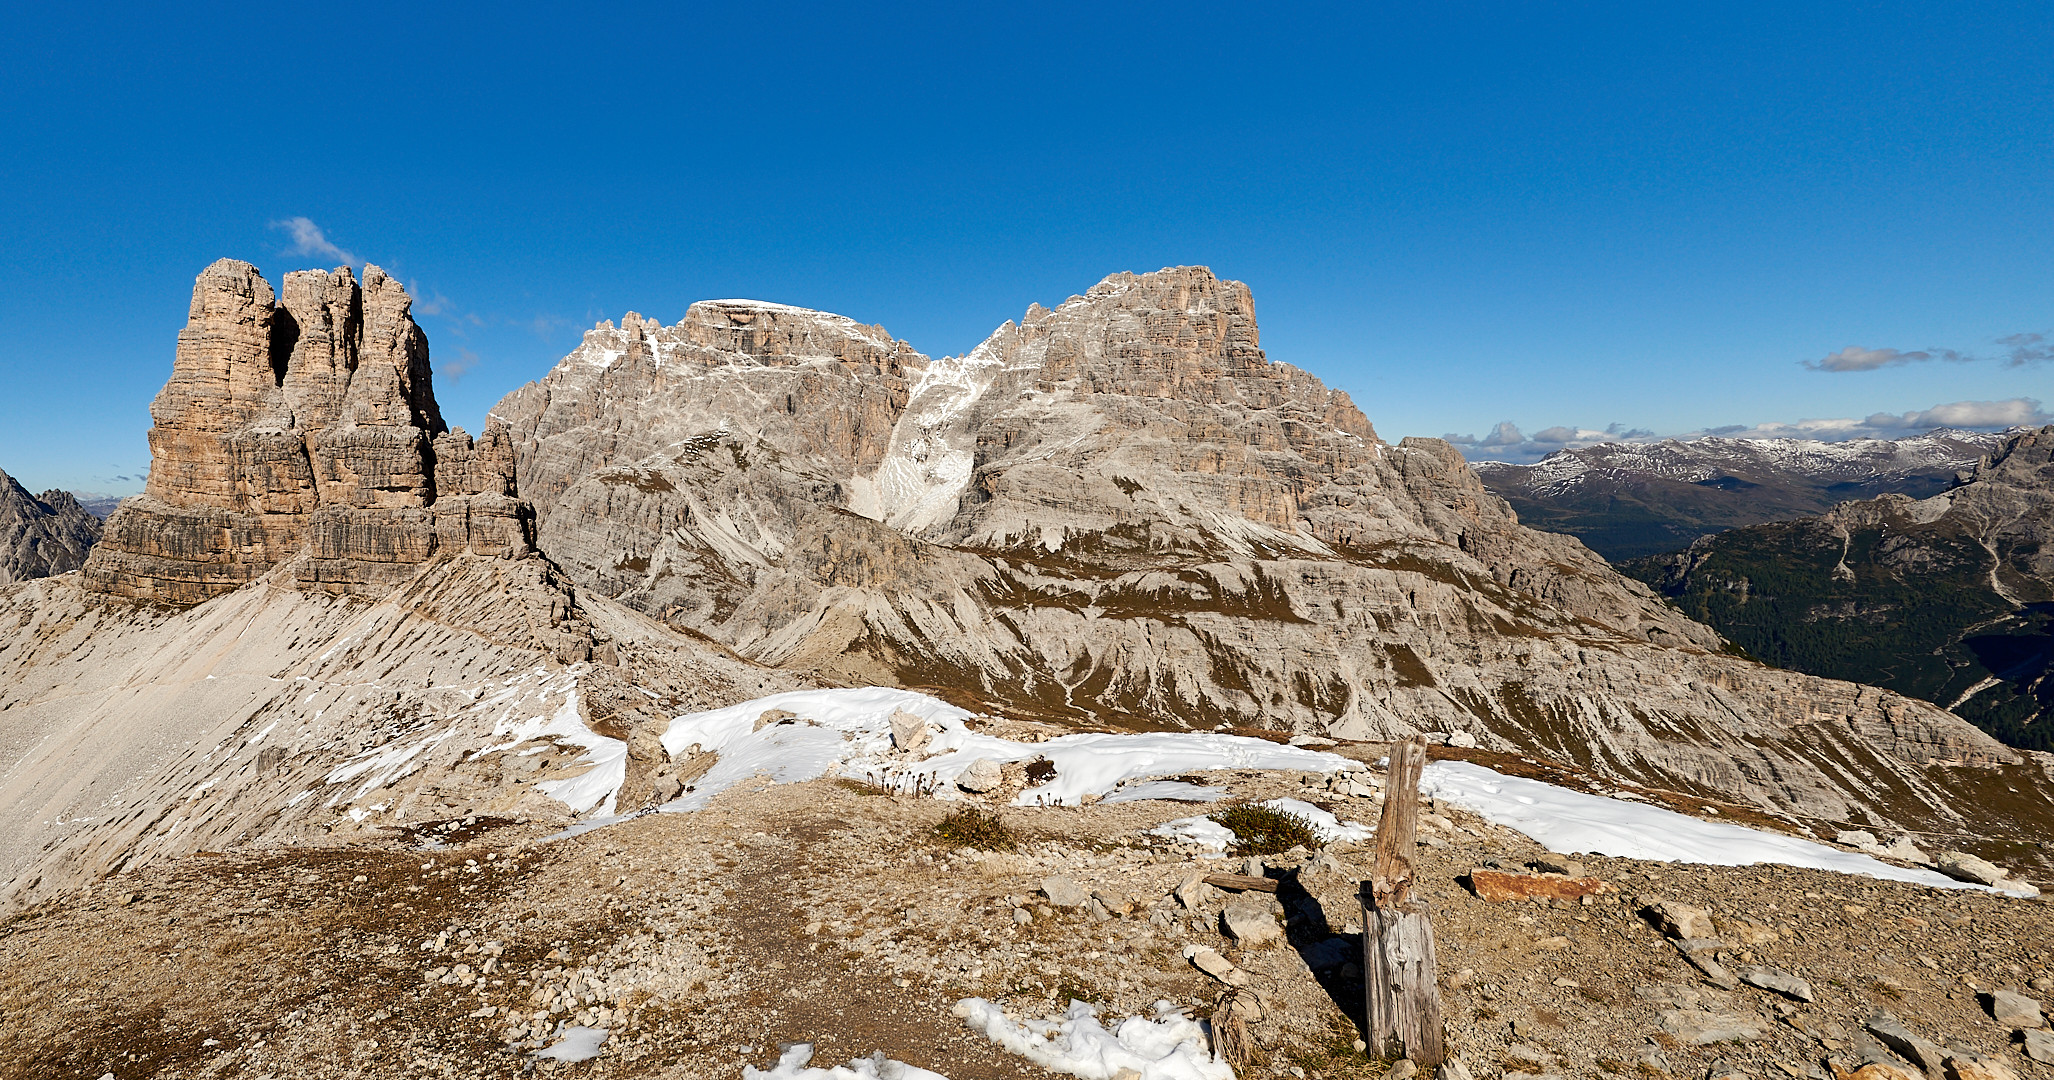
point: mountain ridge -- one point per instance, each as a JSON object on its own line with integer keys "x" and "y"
{"x": 1629, "y": 500}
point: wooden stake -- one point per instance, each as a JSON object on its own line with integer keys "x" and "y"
{"x": 1398, "y": 966}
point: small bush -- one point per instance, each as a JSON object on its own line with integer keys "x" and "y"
{"x": 972, "y": 827}
{"x": 1263, "y": 830}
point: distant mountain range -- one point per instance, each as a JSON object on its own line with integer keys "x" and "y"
{"x": 1948, "y": 598}
{"x": 1629, "y": 500}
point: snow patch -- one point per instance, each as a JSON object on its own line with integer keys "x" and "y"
{"x": 849, "y": 732}
{"x": 575, "y": 1044}
{"x": 793, "y": 1065}
{"x": 1568, "y": 822}
{"x": 1170, "y": 1047}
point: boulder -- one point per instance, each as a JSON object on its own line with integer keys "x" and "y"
{"x": 1680, "y": 921}
{"x": 909, "y": 733}
{"x": 2013, "y": 1010}
{"x": 1251, "y": 926}
{"x": 1064, "y": 892}
{"x": 2038, "y": 1045}
{"x": 981, "y": 776}
{"x": 1961, "y": 866}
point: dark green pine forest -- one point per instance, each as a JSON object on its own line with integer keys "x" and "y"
{"x": 1904, "y": 606}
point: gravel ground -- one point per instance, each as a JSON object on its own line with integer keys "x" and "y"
{"x": 827, "y": 913}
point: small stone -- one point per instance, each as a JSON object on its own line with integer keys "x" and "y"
{"x": 1778, "y": 980}
{"x": 1215, "y": 965}
{"x": 1704, "y": 1028}
{"x": 1680, "y": 921}
{"x": 1251, "y": 927}
{"x": 981, "y": 776}
{"x": 1403, "y": 1070}
{"x": 1722, "y": 1070}
{"x": 1191, "y": 892}
{"x": 909, "y": 732}
{"x": 666, "y": 788}
{"x": 1566, "y": 867}
{"x": 1021, "y": 916}
{"x": 1567, "y": 984}
{"x": 1126, "y": 1074}
{"x": 2013, "y": 1010}
{"x": 2039, "y": 1046}
{"x": 1064, "y": 892}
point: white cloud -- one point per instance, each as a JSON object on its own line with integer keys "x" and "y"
{"x": 1856, "y": 358}
{"x": 2019, "y": 350}
{"x": 308, "y": 239}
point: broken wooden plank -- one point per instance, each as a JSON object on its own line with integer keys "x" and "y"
{"x": 1242, "y": 882}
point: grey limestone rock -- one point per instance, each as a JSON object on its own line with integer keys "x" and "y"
{"x": 42, "y": 535}
{"x": 1123, "y": 507}
{"x": 2013, "y": 1010}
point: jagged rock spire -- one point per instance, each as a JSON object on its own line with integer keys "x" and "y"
{"x": 303, "y": 425}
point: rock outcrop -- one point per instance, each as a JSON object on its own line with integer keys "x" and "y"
{"x": 304, "y": 429}
{"x": 41, "y": 535}
{"x": 1121, "y": 511}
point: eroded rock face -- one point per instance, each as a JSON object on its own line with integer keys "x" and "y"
{"x": 304, "y": 428}
{"x": 1120, "y": 510}
{"x": 42, "y": 535}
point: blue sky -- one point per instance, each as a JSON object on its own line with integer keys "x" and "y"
{"x": 1564, "y": 216}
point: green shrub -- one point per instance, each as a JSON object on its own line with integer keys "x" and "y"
{"x": 972, "y": 827}
{"x": 1263, "y": 830}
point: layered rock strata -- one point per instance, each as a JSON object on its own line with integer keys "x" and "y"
{"x": 1121, "y": 511}
{"x": 41, "y": 535}
{"x": 304, "y": 428}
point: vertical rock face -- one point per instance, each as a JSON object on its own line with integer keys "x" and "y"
{"x": 42, "y": 535}
{"x": 303, "y": 429}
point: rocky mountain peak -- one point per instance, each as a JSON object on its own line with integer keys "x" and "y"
{"x": 42, "y": 535}
{"x": 303, "y": 426}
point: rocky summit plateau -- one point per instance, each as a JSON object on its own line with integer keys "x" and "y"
{"x": 758, "y": 693}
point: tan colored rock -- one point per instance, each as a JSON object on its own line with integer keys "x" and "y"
{"x": 1681, "y": 921}
{"x": 1965, "y": 1067}
{"x": 1499, "y": 887}
{"x": 307, "y": 428}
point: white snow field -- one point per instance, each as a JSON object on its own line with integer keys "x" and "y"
{"x": 1570, "y": 821}
{"x": 795, "y": 1064}
{"x": 1170, "y": 1047}
{"x": 849, "y": 732}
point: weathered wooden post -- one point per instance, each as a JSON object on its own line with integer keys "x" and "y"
{"x": 1404, "y": 993}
